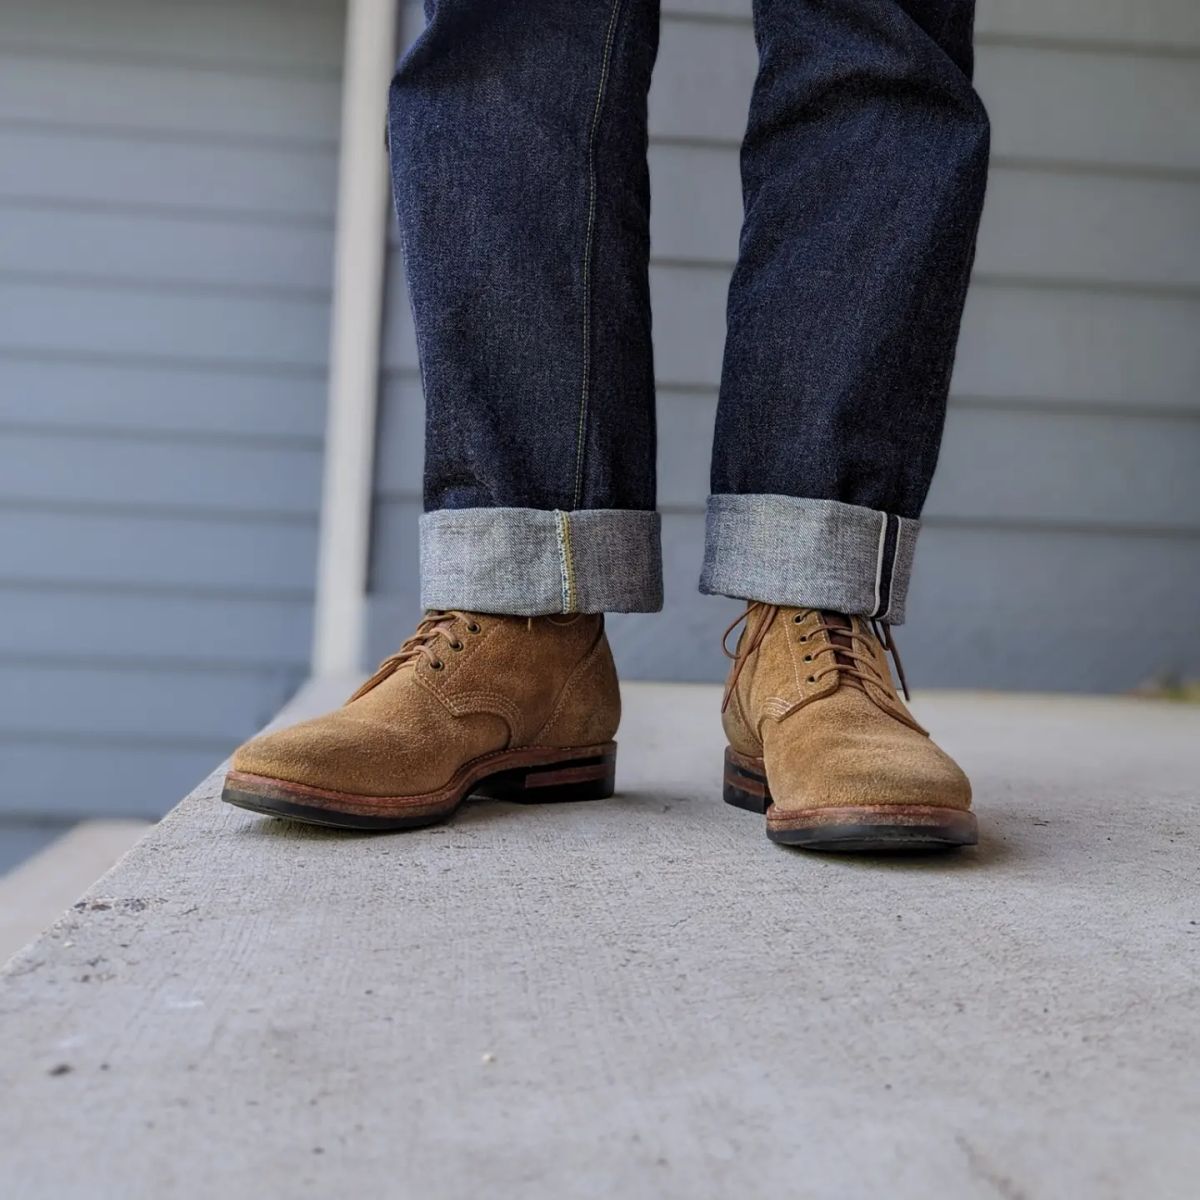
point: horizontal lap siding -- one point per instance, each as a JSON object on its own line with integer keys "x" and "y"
{"x": 165, "y": 248}
{"x": 1068, "y": 497}
{"x": 167, "y": 251}
{"x": 153, "y": 173}
{"x": 141, "y": 778}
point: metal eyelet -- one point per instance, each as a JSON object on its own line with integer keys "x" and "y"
{"x": 474, "y": 627}
{"x": 437, "y": 665}
{"x": 812, "y": 679}
{"x": 456, "y": 646}
{"x": 804, "y": 637}
{"x": 808, "y": 658}
{"x": 798, "y": 619}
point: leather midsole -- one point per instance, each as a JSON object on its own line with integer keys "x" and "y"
{"x": 444, "y": 798}
{"x": 915, "y": 815}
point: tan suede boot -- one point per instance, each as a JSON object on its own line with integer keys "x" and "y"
{"x": 509, "y": 707}
{"x": 820, "y": 742}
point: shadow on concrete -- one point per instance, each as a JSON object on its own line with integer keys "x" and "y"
{"x": 990, "y": 852}
{"x": 992, "y": 849}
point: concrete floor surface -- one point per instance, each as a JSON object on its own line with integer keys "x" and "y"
{"x": 640, "y": 997}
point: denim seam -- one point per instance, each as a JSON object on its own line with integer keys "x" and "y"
{"x": 571, "y": 604}
{"x": 589, "y": 239}
{"x": 566, "y": 564}
{"x": 883, "y": 526}
{"x": 892, "y": 578}
{"x": 885, "y": 580}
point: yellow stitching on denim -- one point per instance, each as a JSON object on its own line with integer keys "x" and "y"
{"x": 585, "y": 387}
{"x": 569, "y": 599}
{"x": 562, "y": 530}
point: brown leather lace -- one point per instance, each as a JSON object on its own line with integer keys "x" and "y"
{"x": 753, "y": 639}
{"x": 845, "y": 660}
{"x": 436, "y": 625}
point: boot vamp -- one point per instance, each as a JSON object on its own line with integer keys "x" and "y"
{"x": 844, "y": 751}
{"x": 405, "y": 742}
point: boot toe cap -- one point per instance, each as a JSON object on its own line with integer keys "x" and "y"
{"x": 905, "y": 770}
{"x": 331, "y": 755}
{"x": 298, "y": 754}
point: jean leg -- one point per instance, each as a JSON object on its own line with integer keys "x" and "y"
{"x": 864, "y": 167}
{"x": 517, "y": 131}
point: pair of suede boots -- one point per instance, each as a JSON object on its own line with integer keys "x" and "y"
{"x": 527, "y": 708}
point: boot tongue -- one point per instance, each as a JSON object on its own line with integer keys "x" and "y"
{"x": 840, "y": 634}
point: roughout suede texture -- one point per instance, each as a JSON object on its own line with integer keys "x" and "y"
{"x": 828, "y": 741}
{"x": 517, "y": 682}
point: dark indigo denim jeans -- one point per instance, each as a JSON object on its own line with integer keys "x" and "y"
{"x": 518, "y": 134}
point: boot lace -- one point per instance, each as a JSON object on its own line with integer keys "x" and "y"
{"x": 436, "y": 626}
{"x": 842, "y": 656}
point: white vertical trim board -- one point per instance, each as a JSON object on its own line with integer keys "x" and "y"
{"x": 359, "y": 265}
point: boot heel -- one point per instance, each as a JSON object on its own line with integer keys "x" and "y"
{"x": 587, "y": 776}
{"x": 745, "y": 782}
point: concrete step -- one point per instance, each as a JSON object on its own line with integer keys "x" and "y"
{"x": 640, "y": 997}
{"x": 34, "y": 893}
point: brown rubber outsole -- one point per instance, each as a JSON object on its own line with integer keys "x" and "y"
{"x": 869, "y": 829}
{"x": 535, "y": 774}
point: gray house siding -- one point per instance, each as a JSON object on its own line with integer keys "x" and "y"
{"x": 166, "y": 211}
{"x": 1067, "y": 504}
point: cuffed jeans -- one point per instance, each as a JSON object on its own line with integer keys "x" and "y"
{"x": 518, "y": 137}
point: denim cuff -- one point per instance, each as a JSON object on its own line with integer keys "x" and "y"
{"x": 529, "y": 562}
{"x": 809, "y": 554}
